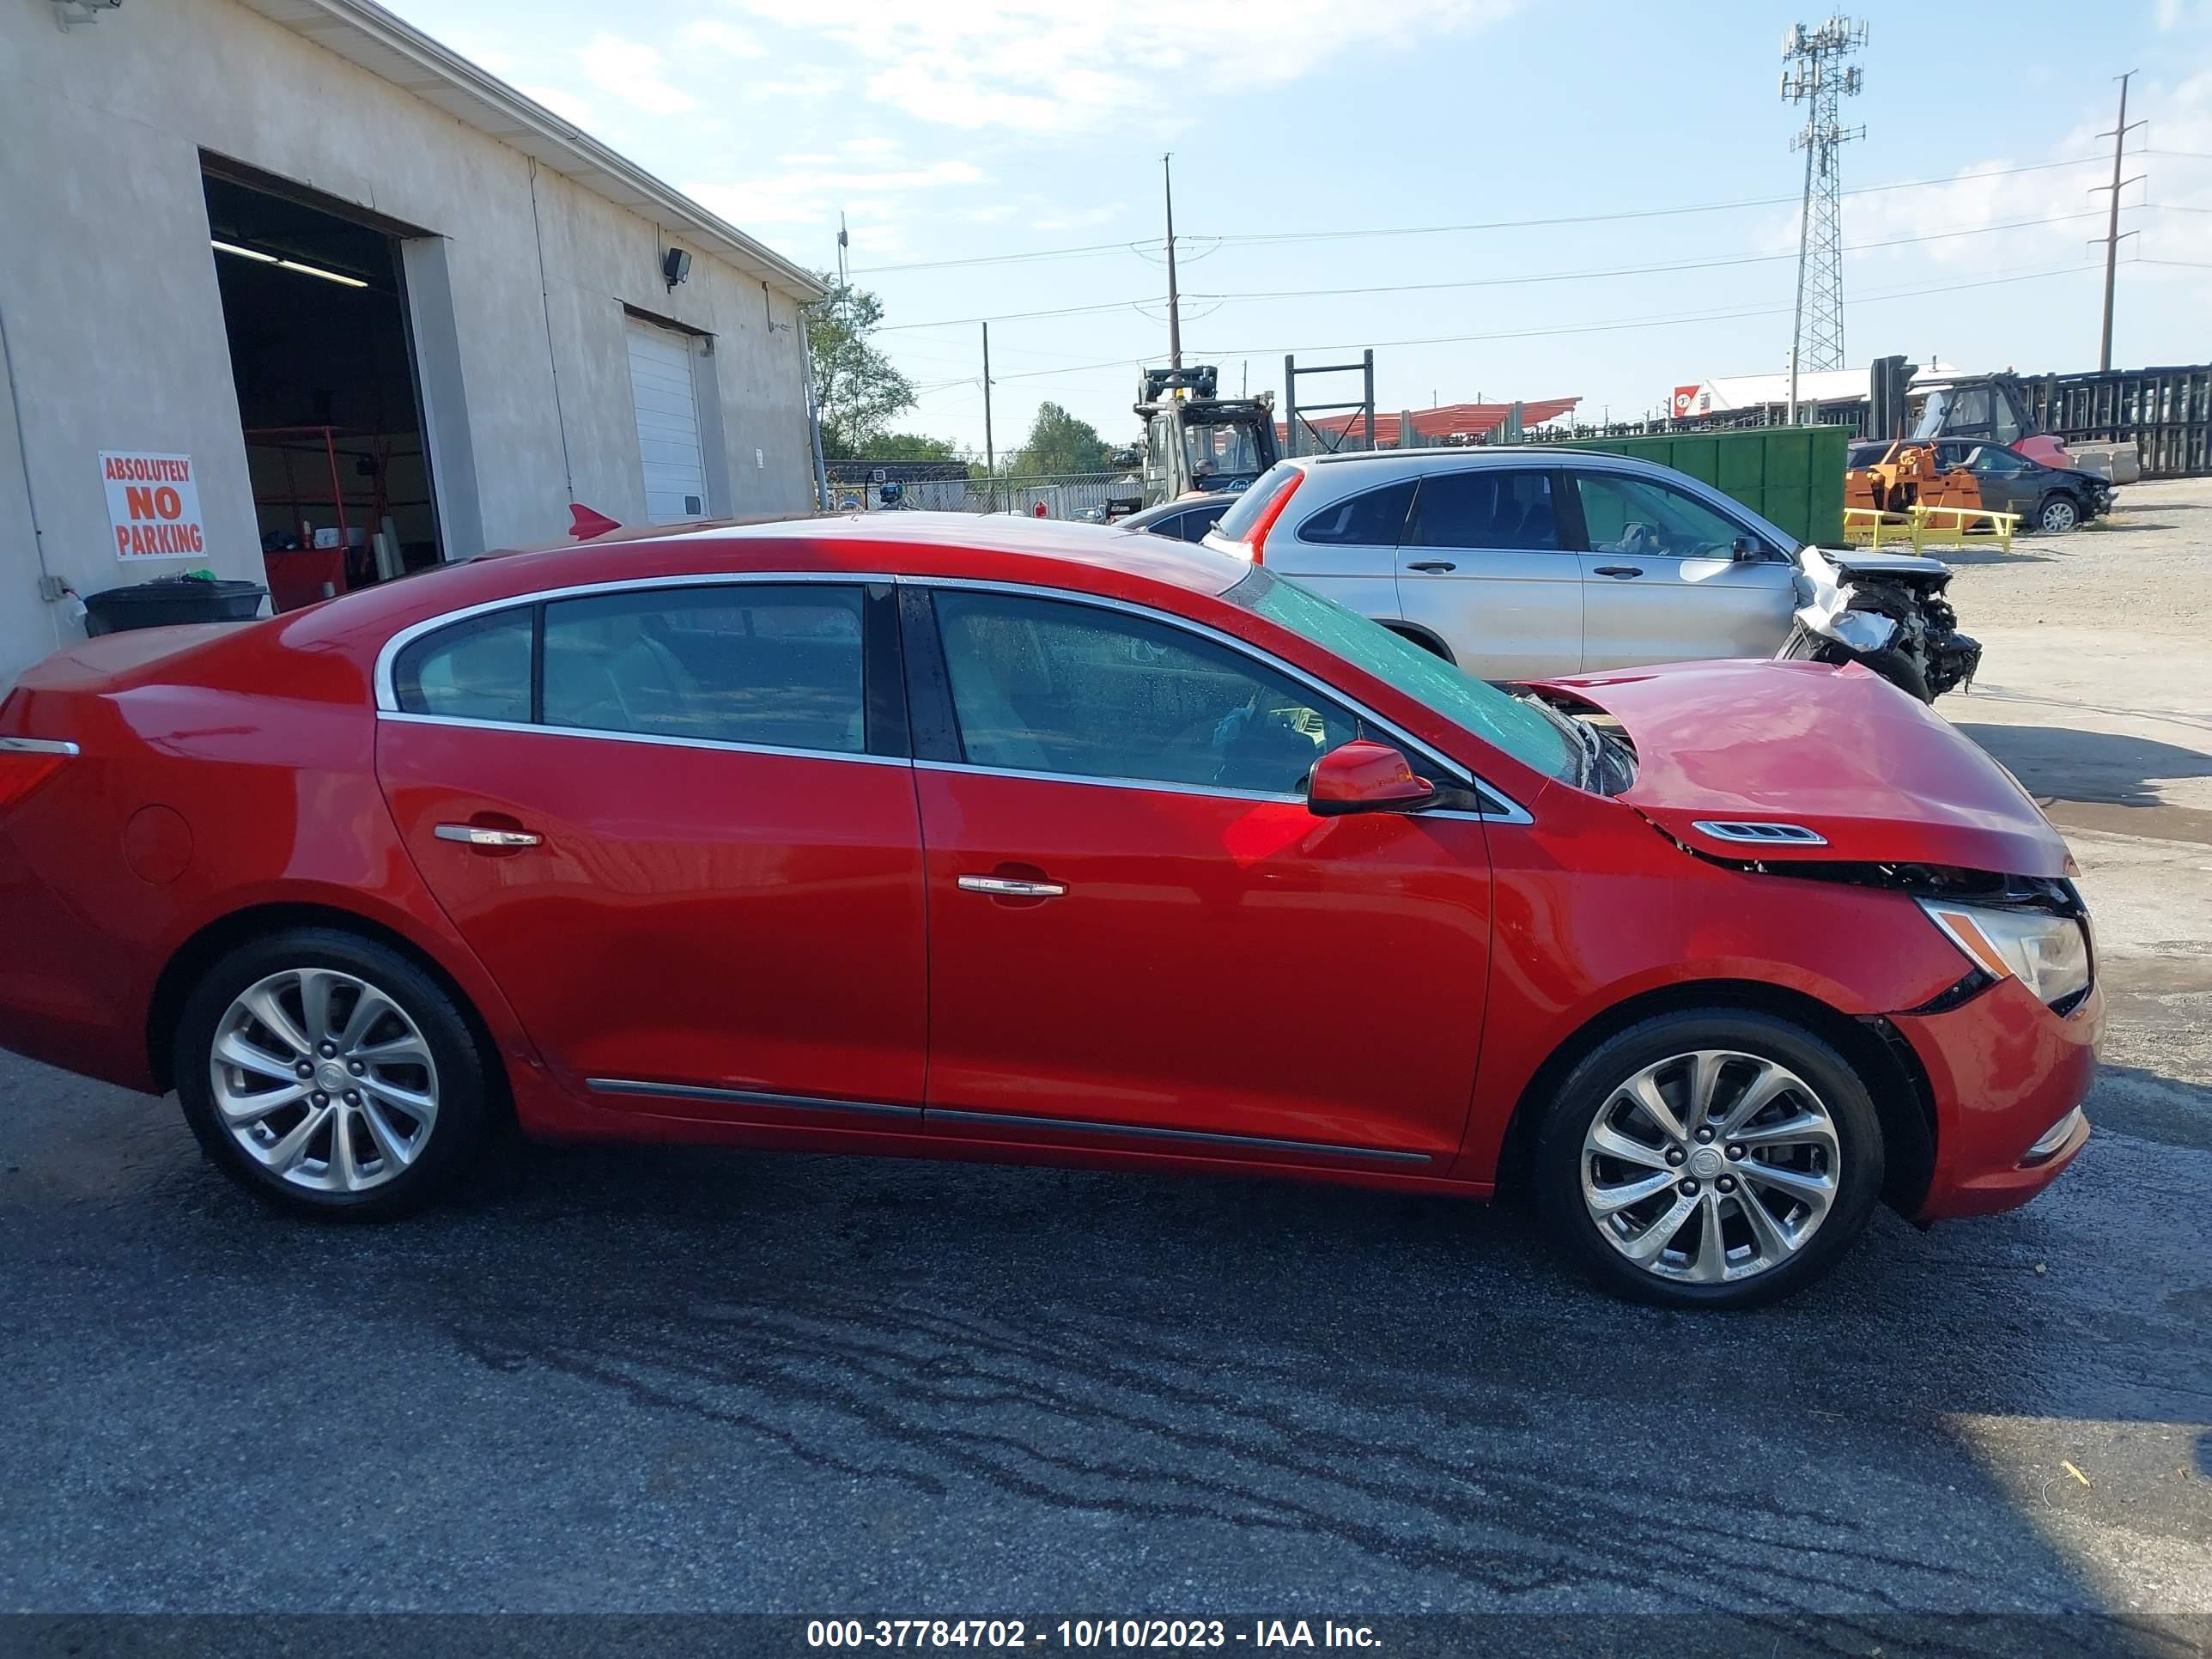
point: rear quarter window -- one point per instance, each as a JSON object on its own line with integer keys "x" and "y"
{"x": 477, "y": 670}
{"x": 1237, "y": 523}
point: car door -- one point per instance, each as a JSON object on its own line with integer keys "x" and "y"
{"x": 677, "y": 823}
{"x": 1139, "y": 936}
{"x": 2009, "y": 482}
{"x": 1481, "y": 567}
{"x": 1661, "y": 579}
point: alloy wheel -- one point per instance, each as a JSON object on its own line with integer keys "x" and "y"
{"x": 323, "y": 1080}
{"x": 1711, "y": 1167}
{"x": 2059, "y": 516}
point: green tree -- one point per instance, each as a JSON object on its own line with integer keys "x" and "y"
{"x": 1059, "y": 442}
{"x": 905, "y": 446}
{"x": 856, "y": 389}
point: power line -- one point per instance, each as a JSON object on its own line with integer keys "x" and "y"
{"x": 1645, "y": 213}
{"x": 1226, "y": 297}
{"x": 1013, "y": 259}
{"x": 1638, "y": 270}
{"x": 2028, "y": 275}
{"x": 1021, "y": 316}
{"x": 1728, "y": 315}
{"x": 1093, "y": 249}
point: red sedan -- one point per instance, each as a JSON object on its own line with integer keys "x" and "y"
{"x": 959, "y": 837}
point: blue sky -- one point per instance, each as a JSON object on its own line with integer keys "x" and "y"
{"x": 968, "y": 130}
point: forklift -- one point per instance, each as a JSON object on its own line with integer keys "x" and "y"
{"x": 1196, "y": 442}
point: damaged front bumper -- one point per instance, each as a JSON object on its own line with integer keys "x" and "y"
{"x": 2009, "y": 1078}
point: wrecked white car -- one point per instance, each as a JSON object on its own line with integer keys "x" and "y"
{"x": 1530, "y": 564}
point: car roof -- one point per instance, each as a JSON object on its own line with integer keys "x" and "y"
{"x": 996, "y": 547}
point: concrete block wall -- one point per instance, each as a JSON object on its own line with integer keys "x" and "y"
{"x": 114, "y": 322}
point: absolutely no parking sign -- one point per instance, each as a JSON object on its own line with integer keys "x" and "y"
{"x": 154, "y": 504}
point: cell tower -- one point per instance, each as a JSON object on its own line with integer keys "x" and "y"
{"x": 1815, "y": 73}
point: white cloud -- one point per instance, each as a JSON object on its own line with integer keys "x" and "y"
{"x": 631, "y": 71}
{"x": 732, "y": 39}
{"x": 1037, "y": 65}
{"x": 803, "y": 195}
{"x": 2184, "y": 13}
{"x": 2181, "y": 120}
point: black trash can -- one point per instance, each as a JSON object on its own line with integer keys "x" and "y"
{"x": 172, "y": 599}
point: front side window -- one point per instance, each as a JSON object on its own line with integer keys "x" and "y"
{"x": 1505, "y": 722}
{"x": 1044, "y": 685}
{"x": 1376, "y": 518}
{"x": 1491, "y": 507}
{"x": 478, "y": 670}
{"x": 1634, "y": 516}
{"x": 777, "y": 665}
{"x": 1997, "y": 463}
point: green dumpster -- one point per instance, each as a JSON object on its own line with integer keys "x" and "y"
{"x": 1792, "y": 475}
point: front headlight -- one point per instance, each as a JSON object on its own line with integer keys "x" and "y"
{"x": 2049, "y": 954}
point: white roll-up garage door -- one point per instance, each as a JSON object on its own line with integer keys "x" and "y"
{"x": 667, "y": 402}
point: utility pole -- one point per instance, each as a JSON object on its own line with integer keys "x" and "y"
{"x": 1814, "y": 74}
{"x": 1174, "y": 310}
{"x": 2112, "y": 236}
{"x": 990, "y": 453}
{"x": 844, "y": 241}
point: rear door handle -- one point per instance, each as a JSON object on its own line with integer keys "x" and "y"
{"x": 1433, "y": 567}
{"x": 1621, "y": 572}
{"x": 475, "y": 834}
{"x": 1008, "y": 887}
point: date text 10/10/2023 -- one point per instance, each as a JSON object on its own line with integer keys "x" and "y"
{"x": 1085, "y": 1633}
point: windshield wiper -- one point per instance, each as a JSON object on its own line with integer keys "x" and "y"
{"x": 1589, "y": 748}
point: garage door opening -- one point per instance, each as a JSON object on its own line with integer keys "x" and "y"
{"x": 316, "y": 311}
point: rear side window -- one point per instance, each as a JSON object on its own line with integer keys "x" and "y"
{"x": 779, "y": 666}
{"x": 1237, "y": 523}
{"x": 478, "y": 670}
{"x": 1376, "y": 518}
{"x": 1493, "y": 507}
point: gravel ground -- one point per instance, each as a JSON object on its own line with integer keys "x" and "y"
{"x": 660, "y": 1382}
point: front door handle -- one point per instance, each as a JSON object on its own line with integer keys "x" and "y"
{"x": 476, "y": 835}
{"x": 1009, "y": 887}
{"x": 1433, "y": 567}
{"x": 1620, "y": 572}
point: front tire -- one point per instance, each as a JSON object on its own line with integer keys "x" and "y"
{"x": 2057, "y": 515}
{"x": 330, "y": 1075}
{"x": 1709, "y": 1158}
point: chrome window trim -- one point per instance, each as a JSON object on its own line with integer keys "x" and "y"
{"x": 1210, "y": 791}
{"x": 664, "y": 741}
{"x": 387, "y": 698}
{"x": 37, "y": 746}
{"x": 1759, "y": 832}
{"x": 624, "y": 1085}
{"x": 1145, "y": 1131}
{"x": 1457, "y": 774}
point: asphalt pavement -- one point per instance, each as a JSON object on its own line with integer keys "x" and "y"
{"x": 646, "y": 1380}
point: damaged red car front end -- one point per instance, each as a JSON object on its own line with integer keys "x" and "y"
{"x": 1832, "y": 775}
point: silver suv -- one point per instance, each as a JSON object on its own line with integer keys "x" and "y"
{"x": 1521, "y": 564}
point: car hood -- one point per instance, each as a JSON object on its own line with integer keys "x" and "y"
{"x": 1877, "y": 776}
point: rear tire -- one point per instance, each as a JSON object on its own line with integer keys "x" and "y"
{"x": 1658, "y": 1211}
{"x": 291, "y": 1041}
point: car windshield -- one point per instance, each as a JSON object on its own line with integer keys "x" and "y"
{"x": 1221, "y": 451}
{"x": 1521, "y": 729}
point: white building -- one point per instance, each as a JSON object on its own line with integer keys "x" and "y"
{"x": 1734, "y": 393}
{"x": 377, "y": 299}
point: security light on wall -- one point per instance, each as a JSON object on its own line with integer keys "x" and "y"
{"x": 675, "y": 265}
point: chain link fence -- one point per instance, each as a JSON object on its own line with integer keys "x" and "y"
{"x": 1079, "y": 496}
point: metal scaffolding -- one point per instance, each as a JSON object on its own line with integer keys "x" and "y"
{"x": 1815, "y": 74}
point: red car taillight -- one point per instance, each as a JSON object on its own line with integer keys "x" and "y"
{"x": 1274, "y": 510}
{"x": 26, "y": 762}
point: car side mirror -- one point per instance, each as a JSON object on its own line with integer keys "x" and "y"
{"x": 1364, "y": 777}
{"x": 1746, "y": 549}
